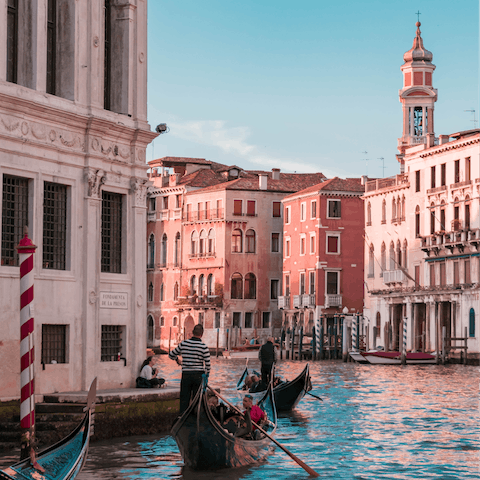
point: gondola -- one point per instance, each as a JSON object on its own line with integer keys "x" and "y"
{"x": 205, "y": 445}
{"x": 65, "y": 459}
{"x": 286, "y": 394}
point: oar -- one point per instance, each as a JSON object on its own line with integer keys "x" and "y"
{"x": 309, "y": 470}
{"x": 314, "y": 396}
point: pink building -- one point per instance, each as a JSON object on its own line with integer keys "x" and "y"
{"x": 215, "y": 250}
{"x": 323, "y": 253}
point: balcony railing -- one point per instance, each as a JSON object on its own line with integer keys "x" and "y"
{"x": 308, "y": 300}
{"x": 151, "y": 216}
{"x": 284, "y": 302}
{"x": 202, "y": 215}
{"x": 333, "y": 301}
{"x": 394, "y": 276}
{"x": 297, "y": 301}
{"x": 397, "y": 180}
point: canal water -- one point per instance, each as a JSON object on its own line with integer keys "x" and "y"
{"x": 375, "y": 422}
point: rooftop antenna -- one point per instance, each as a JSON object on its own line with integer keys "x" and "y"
{"x": 366, "y": 163}
{"x": 474, "y": 117}
{"x": 383, "y": 166}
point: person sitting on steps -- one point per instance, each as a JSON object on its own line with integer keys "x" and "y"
{"x": 148, "y": 377}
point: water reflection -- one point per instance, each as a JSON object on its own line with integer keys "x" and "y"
{"x": 375, "y": 422}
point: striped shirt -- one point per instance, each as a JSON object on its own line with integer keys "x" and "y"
{"x": 195, "y": 355}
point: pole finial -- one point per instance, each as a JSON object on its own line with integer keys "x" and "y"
{"x": 418, "y": 16}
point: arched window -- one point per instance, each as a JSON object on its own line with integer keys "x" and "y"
{"x": 237, "y": 237}
{"x": 377, "y": 323}
{"x": 194, "y": 243}
{"x": 202, "y": 246}
{"x": 150, "y": 292}
{"x": 399, "y": 255}
{"x": 250, "y": 241}
{"x": 162, "y": 321}
{"x": 162, "y": 292}
{"x": 394, "y": 210}
{"x": 383, "y": 259}
{"x": 250, "y": 286}
{"x": 210, "y": 285}
{"x": 467, "y": 212}
{"x": 392, "y": 256}
{"x": 456, "y": 215}
{"x": 399, "y": 210}
{"x": 237, "y": 287}
{"x": 442, "y": 216}
{"x": 404, "y": 254}
{"x": 164, "y": 250}
{"x": 384, "y": 211}
{"x": 403, "y": 208}
{"x": 417, "y": 221}
{"x": 369, "y": 213}
{"x": 175, "y": 291}
{"x": 175, "y": 321}
{"x": 471, "y": 323}
{"x": 211, "y": 241}
{"x": 201, "y": 285}
{"x": 151, "y": 252}
{"x": 193, "y": 282}
{"x": 150, "y": 330}
{"x": 432, "y": 218}
{"x": 177, "y": 249}
{"x": 371, "y": 259}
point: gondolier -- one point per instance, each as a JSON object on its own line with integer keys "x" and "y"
{"x": 267, "y": 357}
{"x": 195, "y": 362}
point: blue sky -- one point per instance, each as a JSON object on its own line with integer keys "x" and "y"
{"x": 303, "y": 86}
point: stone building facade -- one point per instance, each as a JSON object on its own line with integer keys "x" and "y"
{"x": 422, "y": 228}
{"x": 73, "y": 130}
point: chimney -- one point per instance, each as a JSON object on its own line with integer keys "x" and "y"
{"x": 443, "y": 139}
{"x": 275, "y": 174}
{"x": 364, "y": 180}
{"x": 173, "y": 179}
{"x": 262, "y": 181}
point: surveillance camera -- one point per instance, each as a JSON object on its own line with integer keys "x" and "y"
{"x": 161, "y": 128}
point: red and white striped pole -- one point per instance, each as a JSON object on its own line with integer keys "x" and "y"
{"x": 26, "y": 249}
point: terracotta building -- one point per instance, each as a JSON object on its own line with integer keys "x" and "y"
{"x": 322, "y": 253}
{"x": 215, "y": 237}
{"x": 423, "y": 227}
{"x": 73, "y": 134}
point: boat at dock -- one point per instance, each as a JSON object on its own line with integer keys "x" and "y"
{"x": 395, "y": 358}
{"x": 243, "y": 351}
{"x": 65, "y": 459}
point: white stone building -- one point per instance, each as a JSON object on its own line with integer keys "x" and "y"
{"x": 73, "y": 134}
{"x": 422, "y": 228}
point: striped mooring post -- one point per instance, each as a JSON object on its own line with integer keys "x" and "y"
{"x": 404, "y": 344}
{"x": 354, "y": 332}
{"x": 26, "y": 249}
{"x": 317, "y": 338}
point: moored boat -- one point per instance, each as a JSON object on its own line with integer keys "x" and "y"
{"x": 395, "y": 358}
{"x": 243, "y": 351}
{"x": 357, "y": 355}
{"x": 65, "y": 459}
{"x": 287, "y": 394}
{"x": 206, "y": 445}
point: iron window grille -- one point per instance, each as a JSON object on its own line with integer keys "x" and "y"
{"x": 111, "y": 342}
{"x": 14, "y": 216}
{"x": 111, "y": 232}
{"x": 54, "y": 226}
{"x": 54, "y": 344}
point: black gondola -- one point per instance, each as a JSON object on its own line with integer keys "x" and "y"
{"x": 65, "y": 459}
{"x": 206, "y": 445}
{"x": 286, "y": 394}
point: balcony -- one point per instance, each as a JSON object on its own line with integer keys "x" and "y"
{"x": 308, "y": 300}
{"x": 396, "y": 181}
{"x": 394, "y": 276}
{"x": 474, "y": 238}
{"x": 151, "y": 217}
{"x": 333, "y": 301}
{"x": 284, "y": 302}
{"x": 204, "y": 215}
{"x": 297, "y": 301}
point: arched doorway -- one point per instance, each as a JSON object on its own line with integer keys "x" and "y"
{"x": 188, "y": 326}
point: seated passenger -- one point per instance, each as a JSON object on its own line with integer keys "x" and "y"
{"x": 248, "y": 382}
{"x": 257, "y": 385}
{"x": 257, "y": 415}
{"x": 148, "y": 377}
{"x": 220, "y": 411}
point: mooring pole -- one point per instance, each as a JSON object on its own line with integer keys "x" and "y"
{"x": 444, "y": 334}
{"x": 344, "y": 340}
{"x": 169, "y": 339}
{"x": 218, "y": 339}
{"x": 404, "y": 343}
{"x": 316, "y": 342}
{"x": 300, "y": 343}
{"x": 26, "y": 249}
{"x": 354, "y": 332}
{"x": 466, "y": 346}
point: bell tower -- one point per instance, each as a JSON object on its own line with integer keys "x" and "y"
{"x": 417, "y": 97}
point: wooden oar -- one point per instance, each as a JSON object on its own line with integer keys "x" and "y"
{"x": 309, "y": 470}
{"x": 314, "y": 396}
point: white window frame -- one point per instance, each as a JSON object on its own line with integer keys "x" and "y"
{"x": 328, "y": 207}
{"x": 332, "y": 270}
{"x": 288, "y": 251}
{"x": 333, "y": 234}
{"x": 313, "y": 243}
{"x": 304, "y": 238}
{"x": 313, "y": 202}
{"x": 303, "y": 211}
{"x": 279, "y": 242}
{"x": 310, "y": 283}
{"x": 288, "y": 215}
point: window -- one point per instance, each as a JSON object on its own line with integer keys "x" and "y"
{"x": 237, "y": 207}
{"x": 194, "y": 243}
{"x": 210, "y": 285}
{"x": 211, "y": 241}
{"x": 442, "y": 217}
{"x": 152, "y": 204}
{"x": 432, "y": 219}
{"x": 417, "y": 276}
{"x": 201, "y": 285}
{"x": 287, "y": 215}
{"x": 383, "y": 259}
{"x": 432, "y": 177}
{"x": 150, "y": 292}
{"x": 165, "y": 202}
{"x": 384, "y": 212}
{"x": 107, "y": 65}
{"x": 399, "y": 255}
{"x": 443, "y": 275}
{"x": 150, "y": 330}
{"x": 248, "y": 320}
{"x": 301, "y": 287}
{"x": 237, "y": 287}
{"x": 193, "y": 285}
{"x": 219, "y": 212}
{"x": 332, "y": 283}
{"x": 467, "y": 213}
{"x": 237, "y": 319}
{"x": 287, "y": 247}
{"x": 417, "y": 181}
{"x": 163, "y": 259}
{"x": 457, "y": 171}
{"x": 54, "y": 340}
{"x": 287, "y": 285}
{"x": 250, "y": 241}
{"x": 274, "y": 289}
{"x": 202, "y": 245}
{"x": 443, "y": 174}
{"x": 394, "y": 210}
{"x": 312, "y": 243}
{"x": 175, "y": 291}
{"x": 369, "y": 214}
{"x": 250, "y": 286}
{"x": 54, "y": 226}
{"x": 175, "y": 321}
{"x": 162, "y": 292}
{"x": 265, "y": 319}
{"x": 417, "y": 221}
{"x": 456, "y": 273}
{"x": 313, "y": 209}
{"x": 334, "y": 210}
{"x": 275, "y": 242}
{"x": 311, "y": 282}
{"x": 404, "y": 254}
{"x": 237, "y": 241}
{"x": 471, "y": 323}
{"x": 468, "y": 170}
{"x": 162, "y": 321}
{"x": 432, "y": 274}
{"x": 151, "y": 252}
{"x": 14, "y": 216}
{"x": 251, "y": 208}
{"x": 217, "y": 320}
{"x": 111, "y": 342}
{"x": 303, "y": 210}
{"x": 276, "y": 209}
{"x": 207, "y": 210}
{"x": 392, "y": 256}
{"x": 333, "y": 244}
{"x": 12, "y": 40}
{"x": 51, "y": 45}
{"x": 467, "y": 274}
{"x": 178, "y": 201}
{"x": 189, "y": 212}
{"x": 303, "y": 241}
{"x": 111, "y": 232}
{"x": 201, "y": 318}
{"x": 378, "y": 323}
{"x": 177, "y": 250}
{"x": 371, "y": 262}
